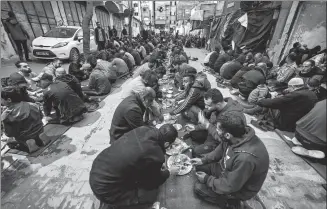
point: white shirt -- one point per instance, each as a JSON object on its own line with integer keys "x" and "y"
{"x": 130, "y": 57}
{"x": 134, "y": 86}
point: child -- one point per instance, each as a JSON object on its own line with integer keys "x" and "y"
{"x": 21, "y": 120}
{"x": 257, "y": 94}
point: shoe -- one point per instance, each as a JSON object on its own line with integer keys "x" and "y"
{"x": 308, "y": 153}
{"x": 296, "y": 142}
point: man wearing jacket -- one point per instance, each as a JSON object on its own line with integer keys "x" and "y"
{"x": 18, "y": 34}
{"x": 206, "y": 130}
{"x": 130, "y": 113}
{"x": 193, "y": 99}
{"x": 100, "y": 37}
{"x": 133, "y": 180}
{"x": 236, "y": 170}
{"x": 287, "y": 109}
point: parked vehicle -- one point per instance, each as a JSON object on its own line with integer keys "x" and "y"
{"x": 65, "y": 42}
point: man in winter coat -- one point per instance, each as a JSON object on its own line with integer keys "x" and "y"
{"x": 211, "y": 58}
{"x": 100, "y": 37}
{"x": 236, "y": 170}
{"x": 18, "y": 34}
{"x": 229, "y": 69}
{"x": 222, "y": 59}
{"x": 206, "y": 132}
{"x": 21, "y": 120}
{"x": 134, "y": 179}
{"x": 252, "y": 78}
{"x": 135, "y": 55}
{"x": 130, "y": 113}
{"x": 58, "y": 95}
{"x": 289, "y": 108}
{"x": 193, "y": 99}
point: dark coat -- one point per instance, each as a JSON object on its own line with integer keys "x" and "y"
{"x": 243, "y": 167}
{"x": 213, "y": 58}
{"x": 128, "y": 116}
{"x": 59, "y": 95}
{"x": 74, "y": 69}
{"x": 292, "y": 106}
{"x": 137, "y": 57}
{"x": 256, "y": 76}
{"x": 222, "y": 59}
{"x": 73, "y": 83}
{"x": 134, "y": 161}
{"x": 97, "y": 34}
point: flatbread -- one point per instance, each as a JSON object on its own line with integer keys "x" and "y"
{"x": 182, "y": 161}
{"x": 177, "y": 147}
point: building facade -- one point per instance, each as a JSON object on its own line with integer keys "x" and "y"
{"x": 165, "y": 15}
{"x": 38, "y": 17}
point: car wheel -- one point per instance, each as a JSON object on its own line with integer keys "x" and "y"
{"x": 74, "y": 54}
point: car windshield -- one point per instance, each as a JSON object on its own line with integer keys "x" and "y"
{"x": 61, "y": 33}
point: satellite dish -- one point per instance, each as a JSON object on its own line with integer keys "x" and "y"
{"x": 127, "y": 12}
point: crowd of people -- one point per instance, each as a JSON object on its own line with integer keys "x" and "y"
{"x": 231, "y": 161}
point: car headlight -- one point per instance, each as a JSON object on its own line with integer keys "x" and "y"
{"x": 61, "y": 44}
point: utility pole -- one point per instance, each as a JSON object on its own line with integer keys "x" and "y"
{"x": 154, "y": 15}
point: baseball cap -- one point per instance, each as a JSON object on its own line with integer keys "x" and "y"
{"x": 296, "y": 82}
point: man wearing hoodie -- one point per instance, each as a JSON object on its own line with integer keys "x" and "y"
{"x": 252, "y": 78}
{"x": 99, "y": 83}
{"x": 215, "y": 105}
{"x": 236, "y": 170}
{"x": 18, "y": 34}
{"x": 229, "y": 69}
{"x": 21, "y": 120}
{"x": 193, "y": 99}
{"x": 134, "y": 179}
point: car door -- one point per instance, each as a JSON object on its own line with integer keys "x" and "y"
{"x": 93, "y": 46}
{"x": 79, "y": 44}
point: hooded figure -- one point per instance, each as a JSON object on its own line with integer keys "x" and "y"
{"x": 229, "y": 69}
{"x": 252, "y": 78}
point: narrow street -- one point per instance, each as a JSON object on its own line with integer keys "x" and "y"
{"x": 59, "y": 177}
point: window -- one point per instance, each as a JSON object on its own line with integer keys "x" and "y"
{"x": 136, "y": 5}
{"x": 175, "y": 2}
{"x": 61, "y": 33}
{"x": 136, "y": 13}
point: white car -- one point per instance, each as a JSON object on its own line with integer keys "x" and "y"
{"x": 65, "y": 42}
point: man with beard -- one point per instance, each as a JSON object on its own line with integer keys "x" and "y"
{"x": 133, "y": 180}
{"x": 236, "y": 170}
{"x": 193, "y": 101}
{"x": 215, "y": 105}
{"x": 100, "y": 37}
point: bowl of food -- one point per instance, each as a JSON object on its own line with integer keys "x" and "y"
{"x": 171, "y": 88}
{"x": 189, "y": 127}
{"x": 170, "y": 91}
{"x": 178, "y": 127}
{"x": 169, "y": 95}
{"x": 164, "y": 90}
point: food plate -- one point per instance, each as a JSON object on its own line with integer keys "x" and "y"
{"x": 164, "y": 90}
{"x": 190, "y": 127}
{"x": 171, "y": 88}
{"x": 170, "y": 91}
{"x": 169, "y": 95}
{"x": 177, "y": 147}
{"x": 178, "y": 126}
{"x": 182, "y": 161}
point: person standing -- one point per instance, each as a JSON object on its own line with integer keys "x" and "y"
{"x": 110, "y": 32}
{"x": 18, "y": 34}
{"x": 114, "y": 31}
{"x": 100, "y": 37}
{"x": 124, "y": 32}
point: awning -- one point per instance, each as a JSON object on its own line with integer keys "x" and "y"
{"x": 198, "y": 15}
{"x": 112, "y": 7}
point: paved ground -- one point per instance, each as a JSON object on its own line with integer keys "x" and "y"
{"x": 59, "y": 177}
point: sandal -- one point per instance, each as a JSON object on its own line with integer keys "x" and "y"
{"x": 308, "y": 153}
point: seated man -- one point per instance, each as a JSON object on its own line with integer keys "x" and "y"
{"x": 99, "y": 83}
{"x": 193, "y": 99}
{"x": 19, "y": 81}
{"x": 236, "y": 170}
{"x": 289, "y": 108}
{"x": 229, "y": 69}
{"x": 311, "y": 71}
{"x": 222, "y": 59}
{"x": 136, "y": 56}
{"x": 68, "y": 105}
{"x": 75, "y": 69}
{"x": 203, "y": 79}
{"x": 106, "y": 66}
{"x": 51, "y": 67}
{"x": 310, "y": 133}
{"x": 130, "y": 112}
{"x": 211, "y": 58}
{"x": 118, "y": 65}
{"x": 283, "y": 74}
{"x": 71, "y": 81}
{"x": 21, "y": 120}
{"x": 215, "y": 106}
{"x": 134, "y": 179}
{"x": 25, "y": 71}
{"x": 146, "y": 66}
{"x": 128, "y": 55}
